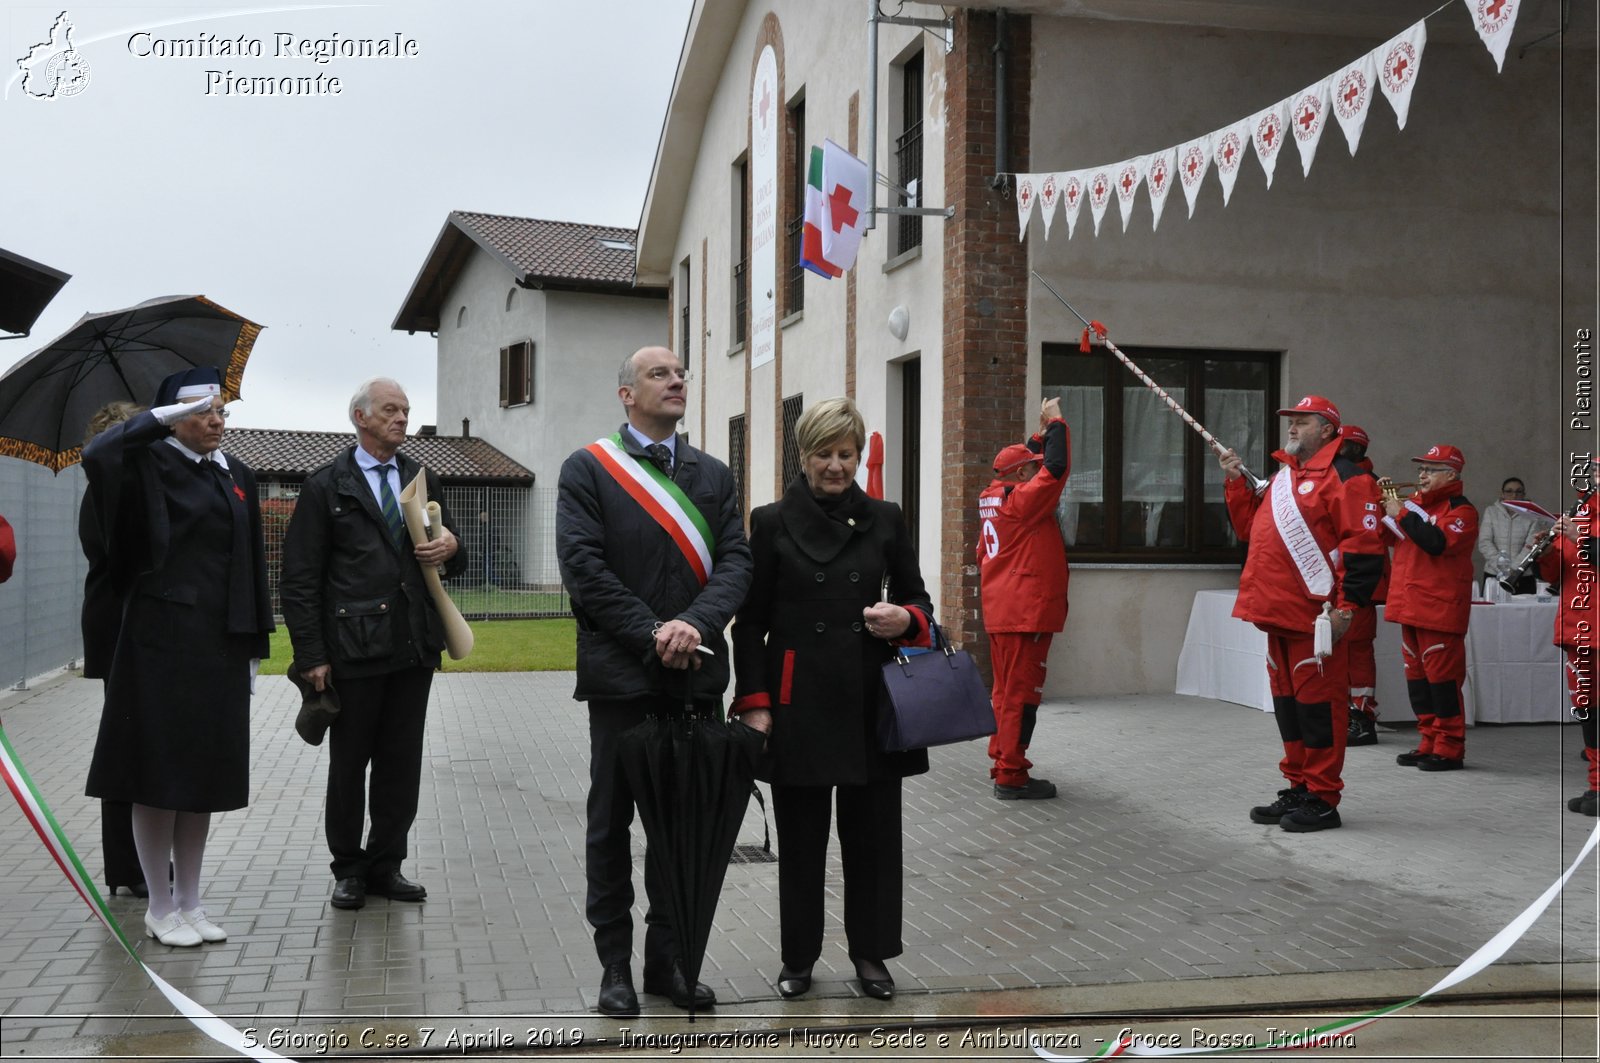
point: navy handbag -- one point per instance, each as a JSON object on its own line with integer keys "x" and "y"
{"x": 932, "y": 698}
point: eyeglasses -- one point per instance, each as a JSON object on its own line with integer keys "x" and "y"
{"x": 1514, "y": 492}
{"x": 1434, "y": 470}
{"x": 220, "y": 413}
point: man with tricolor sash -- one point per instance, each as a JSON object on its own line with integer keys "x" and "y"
{"x": 1314, "y": 556}
{"x": 650, "y": 536}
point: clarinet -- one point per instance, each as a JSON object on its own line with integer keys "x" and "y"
{"x": 1510, "y": 580}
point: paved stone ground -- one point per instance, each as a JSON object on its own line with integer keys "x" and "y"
{"x": 1145, "y": 871}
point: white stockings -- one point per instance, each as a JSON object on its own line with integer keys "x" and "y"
{"x": 161, "y": 835}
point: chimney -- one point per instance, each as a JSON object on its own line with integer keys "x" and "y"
{"x": 428, "y": 430}
{"x": 466, "y": 428}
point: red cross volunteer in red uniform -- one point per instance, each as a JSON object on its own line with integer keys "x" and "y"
{"x": 1571, "y": 562}
{"x": 1313, "y": 549}
{"x": 1363, "y": 730}
{"x": 1435, "y": 533}
{"x": 1022, "y": 570}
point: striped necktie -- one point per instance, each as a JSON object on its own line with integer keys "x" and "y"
{"x": 391, "y": 509}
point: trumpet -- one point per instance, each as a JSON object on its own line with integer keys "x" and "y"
{"x": 1391, "y": 490}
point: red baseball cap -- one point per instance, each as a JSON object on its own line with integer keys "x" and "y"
{"x": 1014, "y": 457}
{"x": 1443, "y": 454}
{"x": 1355, "y": 434}
{"x": 1314, "y": 404}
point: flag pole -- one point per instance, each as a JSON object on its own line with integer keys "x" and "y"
{"x": 1094, "y": 328}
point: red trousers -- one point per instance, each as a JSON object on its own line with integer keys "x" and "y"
{"x": 1019, "y": 659}
{"x": 1310, "y": 701}
{"x": 1581, "y": 689}
{"x": 1436, "y": 664}
{"x": 1363, "y": 663}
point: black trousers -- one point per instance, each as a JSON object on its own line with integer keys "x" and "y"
{"x": 380, "y": 725}
{"x": 870, "y": 851}
{"x": 608, "y": 864}
{"x": 116, "y": 844}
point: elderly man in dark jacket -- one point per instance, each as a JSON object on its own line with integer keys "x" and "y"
{"x": 360, "y": 617}
{"x": 652, "y": 549}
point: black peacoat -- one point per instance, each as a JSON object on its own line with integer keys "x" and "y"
{"x": 799, "y": 642}
{"x": 351, "y": 597}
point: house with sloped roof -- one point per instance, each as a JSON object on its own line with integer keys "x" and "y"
{"x": 533, "y": 319}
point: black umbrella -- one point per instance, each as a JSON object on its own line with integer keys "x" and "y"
{"x": 691, "y": 775}
{"x": 46, "y": 399}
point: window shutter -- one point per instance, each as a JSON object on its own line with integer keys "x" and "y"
{"x": 505, "y": 376}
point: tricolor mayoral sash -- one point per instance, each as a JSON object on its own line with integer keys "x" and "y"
{"x": 1309, "y": 560}
{"x": 664, "y": 500}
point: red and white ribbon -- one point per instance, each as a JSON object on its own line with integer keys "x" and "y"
{"x": 61, "y": 851}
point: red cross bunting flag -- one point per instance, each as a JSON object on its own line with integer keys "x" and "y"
{"x": 838, "y": 199}
{"x": 1398, "y": 63}
{"x": 1158, "y": 180}
{"x": 1344, "y": 96}
{"x": 1130, "y": 175}
{"x": 1072, "y": 190}
{"x": 1267, "y": 130}
{"x": 1352, "y": 89}
{"x": 1227, "y": 152}
{"x": 1308, "y": 114}
{"x": 1049, "y": 192}
{"x": 1027, "y": 195}
{"x": 1194, "y": 159}
{"x": 1100, "y": 185}
{"x": 1494, "y": 20}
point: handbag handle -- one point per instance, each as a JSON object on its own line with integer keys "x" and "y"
{"x": 938, "y": 640}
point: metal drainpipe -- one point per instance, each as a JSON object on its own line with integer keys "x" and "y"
{"x": 1001, "y": 160}
{"x": 872, "y": 113}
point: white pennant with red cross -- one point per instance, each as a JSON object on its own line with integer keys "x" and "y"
{"x": 1494, "y": 21}
{"x": 1099, "y": 193}
{"x": 1158, "y": 174}
{"x": 1398, "y": 63}
{"x": 1027, "y": 192}
{"x": 1072, "y": 193}
{"x": 1267, "y": 130}
{"x": 1227, "y": 153}
{"x": 1130, "y": 175}
{"x": 1351, "y": 92}
{"x": 1308, "y": 114}
{"x": 1194, "y": 159}
{"x": 1049, "y": 192}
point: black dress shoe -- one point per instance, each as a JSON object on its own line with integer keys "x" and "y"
{"x": 676, "y": 987}
{"x": 875, "y": 979}
{"x": 616, "y": 992}
{"x": 138, "y": 889}
{"x": 395, "y": 886}
{"x": 349, "y": 893}
{"x": 792, "y": 984}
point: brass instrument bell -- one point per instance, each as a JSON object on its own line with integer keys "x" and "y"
{"x": 1391, "y": 490}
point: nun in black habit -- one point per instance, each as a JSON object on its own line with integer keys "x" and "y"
{"x": 183, "y": 520}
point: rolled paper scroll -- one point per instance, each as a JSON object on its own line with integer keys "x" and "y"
{"x": 422, "y": 521}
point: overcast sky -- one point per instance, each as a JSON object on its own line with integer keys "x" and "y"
{"x": 311, "y": 215}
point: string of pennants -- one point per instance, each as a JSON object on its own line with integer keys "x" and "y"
{"x": 1346, "y": 95}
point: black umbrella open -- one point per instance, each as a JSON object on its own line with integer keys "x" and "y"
{"x": 46, "y": 399}
{"x": 691, "y": 775}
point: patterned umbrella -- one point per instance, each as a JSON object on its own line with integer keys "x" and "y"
{"x": 46, "y": 399}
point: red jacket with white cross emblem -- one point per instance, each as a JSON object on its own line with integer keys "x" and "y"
{"x": 1431, "y": 584}
{"x": 1339, "y": 504}
{"x": 1022, "y": 564}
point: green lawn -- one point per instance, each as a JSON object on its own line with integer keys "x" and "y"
{"x": 498, "y": 646}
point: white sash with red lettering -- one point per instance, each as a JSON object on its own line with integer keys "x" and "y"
{"x": 1309, "y": 560}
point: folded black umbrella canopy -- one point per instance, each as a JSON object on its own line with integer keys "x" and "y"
{"x": 691, "y": 775}
{"x": 46, "y": 399}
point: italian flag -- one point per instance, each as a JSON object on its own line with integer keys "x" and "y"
{"x": 838, "y": 198}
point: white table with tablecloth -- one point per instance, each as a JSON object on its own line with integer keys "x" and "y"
{"x": 1514, "y": 672}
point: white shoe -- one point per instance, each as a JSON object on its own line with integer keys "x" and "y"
{"x": 172, "y": 930}
{"x": 209, "y": 931}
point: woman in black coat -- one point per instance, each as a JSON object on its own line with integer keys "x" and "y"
{"x": 809, "y": 646}
{"x": 182, "y": 522}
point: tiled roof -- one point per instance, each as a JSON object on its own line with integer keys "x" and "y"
{"x": 555, "y": 250}
{"x": 537, "y": 253}
{"x": 279, "y": 452}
